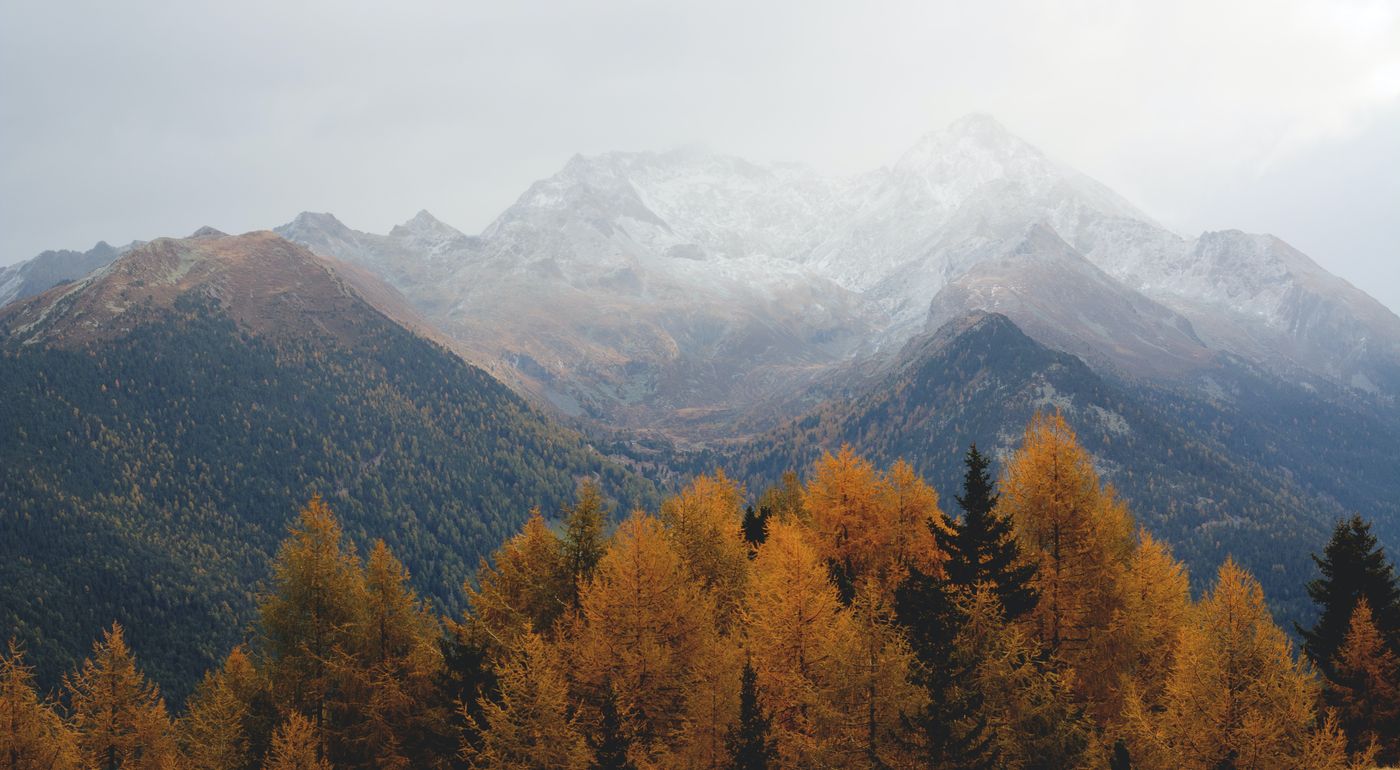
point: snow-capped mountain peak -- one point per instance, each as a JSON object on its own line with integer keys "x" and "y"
{"x": 974, "y": 137}
{"x": 686, "y": 241}
{"x": 430, "y": 234}
{"x": 689, "y": 203}
{"x": 315, "y": 222}
{"x": 424, "y": 222}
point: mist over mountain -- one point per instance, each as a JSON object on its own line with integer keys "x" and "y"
{"x": 679, "y": 291}
{"x": 682, "y": 292}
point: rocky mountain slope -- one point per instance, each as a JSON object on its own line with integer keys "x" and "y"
{"x": 611, "y": 318}
{"x": 32, "y": 276}
{"x": 166, "y": 416}
{"x": 1062, "y": 299}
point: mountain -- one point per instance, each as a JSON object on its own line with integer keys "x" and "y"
{"x": 974, "y": 187}
{"x": 700, "y": 300}
{"x": 918, "y": 224}
{"x": 582, "y": 296}
{"x": 414, "y": 256}
{"x": 1062, "y": 299}
{"x": 32, "y": 276}
{"x": 1259, "y": 469}
{"x": 1258, "y": 297}
{"x": 692, "y": 293}
{"x": 167, "y": 415}
{"x": 963, "y": 195}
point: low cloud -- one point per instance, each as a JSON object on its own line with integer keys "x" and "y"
{"x": 130, "y": 120}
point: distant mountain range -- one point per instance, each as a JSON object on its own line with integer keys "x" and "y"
{"x": 679, "y": 292}
{"x": 718, "y": 311}
{"x": 51, "y": 268}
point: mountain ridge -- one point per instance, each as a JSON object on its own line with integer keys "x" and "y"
{"x": 879, "y": 248}
{"x": 681, "y": 241}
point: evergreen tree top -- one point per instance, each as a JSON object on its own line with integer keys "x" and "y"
{"x": 1353, "y": 565}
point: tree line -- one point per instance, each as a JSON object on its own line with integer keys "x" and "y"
{"x": 846, "y": 620}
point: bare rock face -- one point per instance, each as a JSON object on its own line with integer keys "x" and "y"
{"x": 1258, "y": 297}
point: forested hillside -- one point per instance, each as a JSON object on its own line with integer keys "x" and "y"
{"x": 1260, "y": 472}
{"x": 147, "y": 477}
{"x": 853, "y": 620}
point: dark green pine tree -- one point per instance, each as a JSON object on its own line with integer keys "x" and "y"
{"x": 466, "y": 676}
{"x": 953, "y": 726}
{"x": 750, "y": 741}
{"x": 610, "y": 743}
{"x": 756, "y": 525}
{"x": 843, "y": 576}
{"x": 983, "y": 548}
{"x": 1120, "y": 760}
{"x": 1352, "y": 565}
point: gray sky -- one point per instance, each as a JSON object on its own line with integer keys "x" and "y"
{"x": 134, "y": 119}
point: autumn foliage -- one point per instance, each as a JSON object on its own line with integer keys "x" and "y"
{"x": 854, "y": 623}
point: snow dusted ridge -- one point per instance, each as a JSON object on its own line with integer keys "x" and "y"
{"x": 690, "y": 280}
{"x": 690, "y": 288}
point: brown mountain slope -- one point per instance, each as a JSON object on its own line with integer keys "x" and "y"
{"x": 268, "y": 285}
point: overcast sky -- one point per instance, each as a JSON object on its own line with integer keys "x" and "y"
{"x": 135, "y": 119}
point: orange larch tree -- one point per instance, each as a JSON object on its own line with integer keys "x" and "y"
{"x": 1236, "y": 693}
{"x": 311, "y": 616}
{"x": 119, "y": 716}
{"x": 703, "y": 523}
{"x": 1081, "y": 536}
{"x": 712, "y": 704}
{"x": 798, "y": 634}
{"x": 1156, "y": 604}
{"x": 295, "y": 746}
{"x": 873, "y": 525}
{"x": 877, "y": 694}
{"x": 32, "y": 735}
{"x": 644, "y": 622}
{"x": 388, "y": 700}
{"x": 214, "y": 730}
{"x": 528, "y": 723}
{"x": 1366, "y": 690}
{"x": 524, "y": 588}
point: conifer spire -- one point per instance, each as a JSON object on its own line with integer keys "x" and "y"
{"x": 983, "y": 548}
